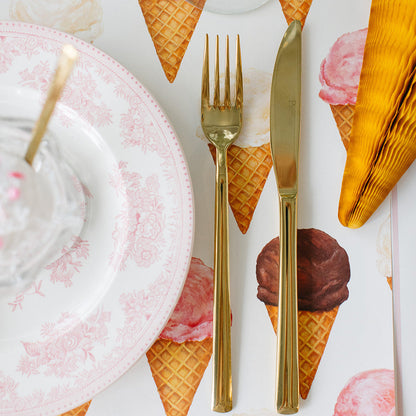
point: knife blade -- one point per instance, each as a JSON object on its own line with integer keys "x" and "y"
{"x": 285, "y": 105}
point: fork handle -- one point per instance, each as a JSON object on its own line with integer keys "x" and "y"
{"x": 222, "y": 380}
{"x": 287, "y": 369}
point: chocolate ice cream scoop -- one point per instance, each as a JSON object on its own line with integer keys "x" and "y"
{"x": 323, "y": 272}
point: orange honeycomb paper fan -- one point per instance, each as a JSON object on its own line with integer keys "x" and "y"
{"x": 79, "y": 411}
{"x": 394, "y": 158}
{"x": 382, "y": 144}
{"x": 295, "y": 10}
{"x": 171, "y": 24}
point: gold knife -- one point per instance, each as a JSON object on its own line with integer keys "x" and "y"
{"x": 285, "y": 104}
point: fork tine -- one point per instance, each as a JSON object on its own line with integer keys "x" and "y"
{"x": 227, "y": 76}
{"x": 239, "y": 78}
{"x": 205, "y": 77}
{"x": 217, "y": 75}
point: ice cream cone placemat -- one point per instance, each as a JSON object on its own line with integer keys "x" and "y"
{"x": 323, "y": 278}
{"x": 340, "y": 76}
{"x": 181, "y": 354}
{"x": 249, "y": 159}
{"x": 323, "y": 275}
{"x": 171, "y": 24}
{"x": 295, "y": 10}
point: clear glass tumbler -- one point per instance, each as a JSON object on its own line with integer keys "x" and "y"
{"x": 41, "y": 206}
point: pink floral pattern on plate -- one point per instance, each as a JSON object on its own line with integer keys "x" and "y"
{"x": 140, "y": 221}
{"x": 65, "y": 267}
{"x": 62, "y": 351}
{"x": 81, "y": 90}
{"x": 34, "y": 289}
{"x": 141, "y": 218}
{"x": 12, "y": 48}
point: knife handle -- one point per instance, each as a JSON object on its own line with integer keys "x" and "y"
{"x": 287, "y": 369}
{"x": 222, "y": 382}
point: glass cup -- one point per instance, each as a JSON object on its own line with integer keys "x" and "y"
{"x": 42, "y": 207}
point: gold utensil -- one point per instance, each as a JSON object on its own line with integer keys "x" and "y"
{"x": 62, "y": 72}
{"x": 284, "y": 139}
{"x": 221, "y": 124}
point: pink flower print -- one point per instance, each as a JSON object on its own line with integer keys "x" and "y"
{"x": 106, "y": 76}
{"x": 82, "y": 95}
{"x": 8, "y": 53}
{"x": 152, "y": 184}
{"x": 70, "y": 263}
{"x": 80, "y": 248}
{"x": 69, "y": 341}
{"x": 145, "y": 252}
{"x": 27, "y": 366}
{"x": 64, "y": 269}
{"x": 38, "y": 78}
{"x": 5, "y": 62}
{"x": 137, "y": 129}
{"x": 62, "y": 351}
{"x": 7, "y": 387}
{"x": 33, "y": 289}
{"x": 137, "y": 308}
{"x": 140, "y": 221}
{"x": 136, "y": 305}
{"x": 122, "y": 90}
{"x": 48, "y": 329}
{"x": 151, "y": 227}
{"x": 30, "y": 46}
{"x": 32, "y": 349}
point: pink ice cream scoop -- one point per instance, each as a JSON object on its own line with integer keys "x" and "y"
{"x": 341, "y": 69}
{"x": 192, "y": 318}
{"x": 370, "y": 393}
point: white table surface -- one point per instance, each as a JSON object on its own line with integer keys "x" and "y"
{"x": 404, "y": 266}
{"x": 125, "y": 37}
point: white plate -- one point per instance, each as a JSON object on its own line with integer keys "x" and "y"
{"x": 94, "y": 311}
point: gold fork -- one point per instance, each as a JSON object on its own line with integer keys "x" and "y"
{"x": 221, "y": 124}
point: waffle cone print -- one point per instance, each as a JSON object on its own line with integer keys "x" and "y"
{"x": 340, "y": 77}
{"x": 344, "y": 116}
{"x": 248, "y": 168}
{"x": 171, "y": 24}
{"x": 314, "y": 329}
{"x": 79, "y": 411}
{"x": 249, "y": 160}
{"x": 295, "y": 10}
{"x": 323, "y": 274}
{"x": 179, "y": 357}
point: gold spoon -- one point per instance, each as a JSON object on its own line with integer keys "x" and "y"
{"x": 65, "y": 64}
